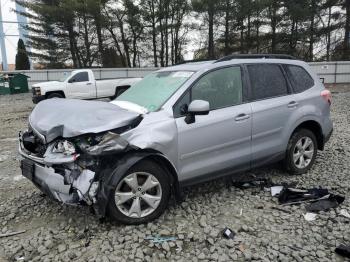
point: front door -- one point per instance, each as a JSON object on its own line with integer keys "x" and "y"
{"x": 220, "y": 141}
{"x": 79, "y": 86}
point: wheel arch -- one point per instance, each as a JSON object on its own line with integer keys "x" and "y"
{"x": 110, "y": 177}
{"x": 55, "y": 92}
{"x": 315, "y": 128}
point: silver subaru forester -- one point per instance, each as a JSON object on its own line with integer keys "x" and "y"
{"x": 179, "y": 126}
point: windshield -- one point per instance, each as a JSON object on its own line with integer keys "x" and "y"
{"x": 155, "y": 89}
{"x": 65, "y": 76}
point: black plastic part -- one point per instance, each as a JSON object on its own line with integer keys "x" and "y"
{"x": 195, "y": 61}
{"x": 37, "y": 99}
{"x": 228, "y": 233}
{"x": 343, "y": 250}
{"x": 255, "y": 56}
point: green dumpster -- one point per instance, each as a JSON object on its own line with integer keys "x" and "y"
{"x": 18, "y": 83}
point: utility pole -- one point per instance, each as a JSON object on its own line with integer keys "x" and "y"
{"x": 2, "y": 43}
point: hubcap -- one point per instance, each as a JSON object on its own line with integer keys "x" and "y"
{"x": 303, "y": 152}
{"x": 138, "y": 194}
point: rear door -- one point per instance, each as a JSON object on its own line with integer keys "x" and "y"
{"x": 272, "y": 109}
{"x": 80, "y": 86}
{"x": 220, "y": 141}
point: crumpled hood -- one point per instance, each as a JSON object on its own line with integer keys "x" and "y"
{"x": 69, "y": 117}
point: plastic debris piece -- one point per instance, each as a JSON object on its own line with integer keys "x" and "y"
{"x": 159, "y": 239}
{"x": 332, "y": 201}
{"x": 275, "y": 190}
{"x": 343, "y": 250}
{"x": 344, "y": 213}
{"x": 310, "y": 216}
{"x": 12, "y": 233}
{"x": 228, "y": 233}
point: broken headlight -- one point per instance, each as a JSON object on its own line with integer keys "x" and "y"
{"x": 64, "y": 147}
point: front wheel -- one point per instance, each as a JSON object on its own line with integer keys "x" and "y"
{"x": 141, "y": 195}
{"x": 301, "y": 152}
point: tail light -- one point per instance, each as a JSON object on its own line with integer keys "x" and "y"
{"x": 327, "y": 96}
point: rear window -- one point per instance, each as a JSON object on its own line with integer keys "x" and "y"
{"x": 267, "y": 81}
{"x": 300, "y": 79}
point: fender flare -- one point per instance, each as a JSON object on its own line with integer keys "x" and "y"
{"x": 110, "y": 177}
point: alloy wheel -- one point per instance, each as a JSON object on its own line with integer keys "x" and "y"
{"x": 303, "y": 152}
{"x": 138, "y": 194}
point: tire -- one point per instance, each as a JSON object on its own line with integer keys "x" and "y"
{"x": 297, "y": 147}
{"x": 118, "y": 92}
{"x": 137, "y": 197}
{"x": 55, "y": 95}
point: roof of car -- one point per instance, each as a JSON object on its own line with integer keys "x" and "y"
{"x": 197, "y": 66}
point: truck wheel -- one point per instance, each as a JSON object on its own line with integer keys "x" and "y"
{"x": 55, "y": 95}
{"x": 301, "y": 152}
{"x": 119, "y": 91}
{"x": 141, "y": 194}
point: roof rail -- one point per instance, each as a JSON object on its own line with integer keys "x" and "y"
{"x": 194, "y": 61}
{"x": 254, "y": 56}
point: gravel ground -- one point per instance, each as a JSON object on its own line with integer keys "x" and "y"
{"x": 55, "y": 232}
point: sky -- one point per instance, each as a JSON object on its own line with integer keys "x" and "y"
{"x": 10, "y": 29}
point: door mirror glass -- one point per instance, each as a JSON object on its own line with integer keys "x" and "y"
{"x": 196, "y": 107}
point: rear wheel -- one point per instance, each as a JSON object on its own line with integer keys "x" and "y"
{"x": 141, "y": 195}
{"x": 301, "y": 152}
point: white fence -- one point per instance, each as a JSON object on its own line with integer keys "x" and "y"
{"x": 37, "y": 76}
{"x": 330, "y": 72}
{"x": 333, "y": 72}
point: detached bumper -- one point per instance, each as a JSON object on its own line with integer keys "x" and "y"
{"x": 49, "y": 182}
{"x": 37, "y": 99}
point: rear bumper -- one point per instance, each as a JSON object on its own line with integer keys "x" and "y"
{"x": 37, "y": 99}
{"x": 328, "y": 136}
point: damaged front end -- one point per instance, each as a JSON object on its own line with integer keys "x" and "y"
{"x": 68, "y": 169}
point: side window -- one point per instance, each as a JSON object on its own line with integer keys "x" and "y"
{"x": 301, "y": 80}
{"x": 267, "y": 81}
{"x": 181, "y": 106}
{"x": 221, "y": 88}
{"x": 81, "y": 77}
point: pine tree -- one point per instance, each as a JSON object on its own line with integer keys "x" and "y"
{"x": 22, "y": 59}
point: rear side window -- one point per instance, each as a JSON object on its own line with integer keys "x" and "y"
{"x": 267, "y": 81}
{"x": 300, "y": 79}
{"x": 81, "y": 77}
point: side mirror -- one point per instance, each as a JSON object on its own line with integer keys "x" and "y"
{"x": 196, "y": 107}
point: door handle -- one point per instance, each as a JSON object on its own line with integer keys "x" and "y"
{"x": 242, "y": 117}
{"x": 292, "y": 104}
{"x": 88, "y": 84}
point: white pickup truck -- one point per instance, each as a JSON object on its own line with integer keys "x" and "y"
{"x": 81, "y": 84}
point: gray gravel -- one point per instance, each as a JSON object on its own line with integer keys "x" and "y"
{"x": 61, "y": 233}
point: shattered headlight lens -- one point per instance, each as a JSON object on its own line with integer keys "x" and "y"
{"x": 64, "y": 147}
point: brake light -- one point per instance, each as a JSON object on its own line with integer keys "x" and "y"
{"x": 327, "y": 96}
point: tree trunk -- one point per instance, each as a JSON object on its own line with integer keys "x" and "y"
{"x": 329, "y": 33}
{"x": 72, "y": 46}
{"x": 211, "y": 30}
{"x": 227, "y": 29}
{"x": 347, "y": 31}
{"x": 312, "y": 31}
